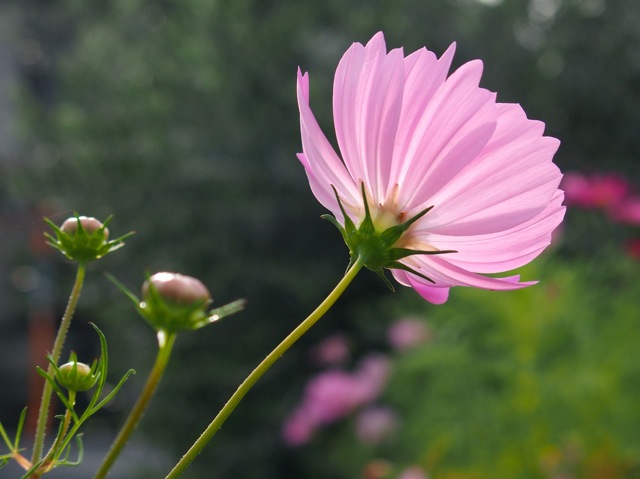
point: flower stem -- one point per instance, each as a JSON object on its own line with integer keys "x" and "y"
{"x": 43, "y": 413}
{"x": 165, "y": 345}
{"x": 262, "y": 368}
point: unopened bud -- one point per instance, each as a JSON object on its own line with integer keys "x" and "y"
{"x": 172, "y": 302}
{"x": 83, "y": 238}
{"x": 177, "y": 289}
{"x": 89, "y": 224}
{"x": 76, "y": 376}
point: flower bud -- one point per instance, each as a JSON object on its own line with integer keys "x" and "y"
{"x": 177, "y": 288}
{"x": 173, "y": 302}
{"x": 89, "y": 224}
{"x": 83, "y": 238}
{"x": 76, "y": 376}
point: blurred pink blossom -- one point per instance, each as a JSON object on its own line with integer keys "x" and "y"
{"x": 334, "y": 394}
{"x": 627, "y": 211}
{"x": 413, "y": 137}
{"x": 600, "y": 190}
{"x": 413, "y": 472}
{"x": 375, "y": 423}
{"x": 333, "y": 351}
{"x": 407, "y": 333}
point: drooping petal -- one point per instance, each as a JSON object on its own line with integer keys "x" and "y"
{"x": 323, "y": 166}
{"x": 444, "y": 274}
{"x": 433, "y": 294}
{"x": 367, "y": 100}
{"x": 505, "y": 250}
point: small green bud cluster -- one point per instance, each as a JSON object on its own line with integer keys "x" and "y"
{"x": 83, "y": 239}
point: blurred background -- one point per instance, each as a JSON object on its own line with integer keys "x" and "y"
{"x": 180, "y": 119}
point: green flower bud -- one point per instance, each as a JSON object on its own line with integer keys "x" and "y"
{"x": 76, "y": 376}
{"x": 83, "y": 238}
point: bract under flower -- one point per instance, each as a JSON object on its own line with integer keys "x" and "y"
{"x": 473, "y": 178}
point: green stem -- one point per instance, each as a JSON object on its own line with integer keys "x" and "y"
{"x": 43, "y": 414}
{"x": 165, "y": 344}
{"x": 262, "y": 368}
{"x": 55, "y": 448}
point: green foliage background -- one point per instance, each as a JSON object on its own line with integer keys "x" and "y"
{"x": 537, "y": 383}
{"x": 179, "y": 118}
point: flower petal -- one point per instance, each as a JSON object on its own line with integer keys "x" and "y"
{"x": 504, "y": 250}
{"x": 367, "y": 99}
{"x": 511, "y": 181}
{"x": 424, "y": 75}
{"x": 433, "y": 294}
{"x": 446, "y": 274}
{"x": 321, "y": 161}
{"x": 454, "y": 127}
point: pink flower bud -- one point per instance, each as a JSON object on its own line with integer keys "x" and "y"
{"x": 177, "y": 289}
{"x": 89, "y": 224}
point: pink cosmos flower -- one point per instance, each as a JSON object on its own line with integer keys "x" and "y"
{"x": 456, "y": 184}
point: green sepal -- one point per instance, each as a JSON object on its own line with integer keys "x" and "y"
{"x": 376, "y": 248}
{"x": 383, "y": 277}
{"x": 408, "y": 269}
{"x": 399, "y": 253}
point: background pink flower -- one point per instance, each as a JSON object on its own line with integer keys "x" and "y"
{"x": 334, "y": 394}
{"x": 627, "y": 211}
{"x": 332, "y": 351}
{"x": 595, "y": 191}
{"x": 407, "y": 333}
{"x": 416, "y": 137}
{"x": 413, "y": 472}
{"x": 375, "y": 423}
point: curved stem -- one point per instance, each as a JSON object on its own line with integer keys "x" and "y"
{"x": 165, "y": 344}
{"x": 43, "y": 413}
{"x": 262, "y": 368}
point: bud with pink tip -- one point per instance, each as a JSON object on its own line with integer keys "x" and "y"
{"x": 173, "y": 302}
{"x": 177, "y": 288}
{"x": 89, "y": 224}
{"x": 83, "y": 239}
